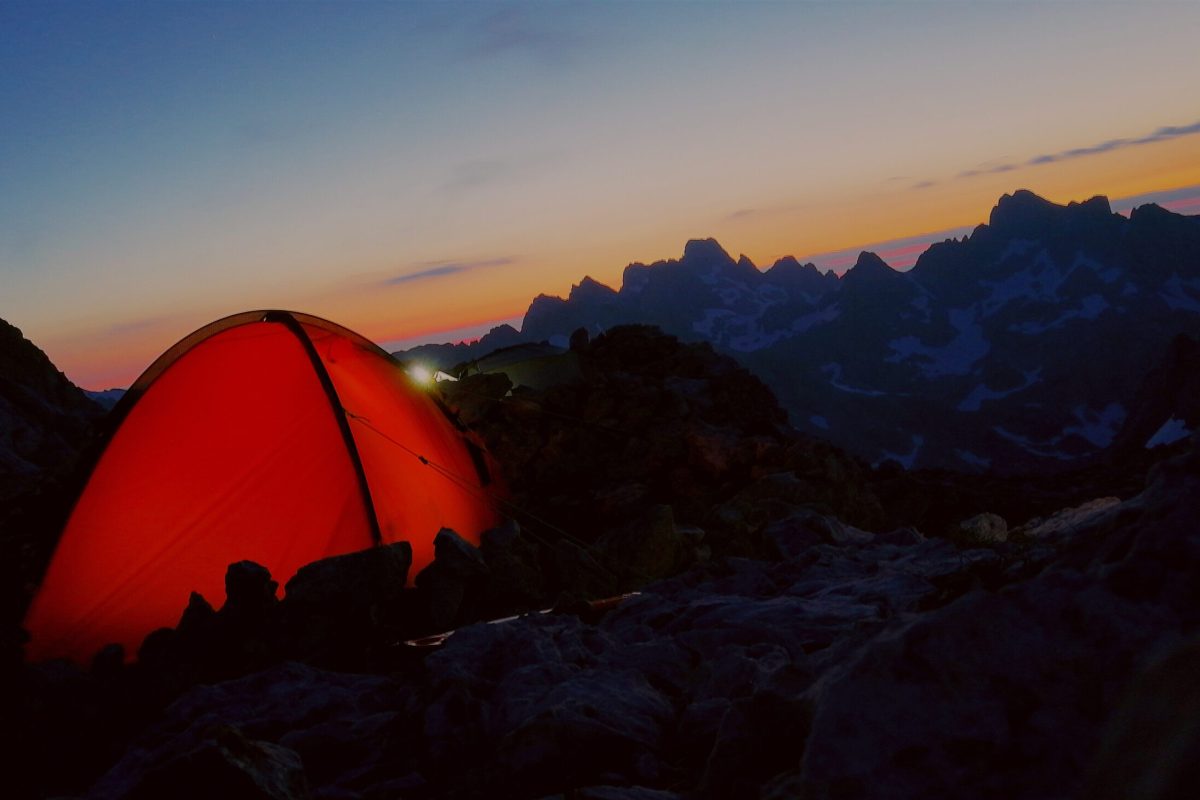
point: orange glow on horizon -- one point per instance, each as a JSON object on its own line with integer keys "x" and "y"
{"x": 103, "y": 352}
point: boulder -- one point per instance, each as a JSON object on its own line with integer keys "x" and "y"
{"x": 337, "y": 609}
{"x": 1067, "y": 522}
{"x": 450, "y": 589}
{"x": 458, "y": 556}
{"x": 649, "y": 549}
{"x": 350, "y": 584}
{"x": 576, "y": 570}
{"x": 249, "y": 593}
{"x": 760, "y": 736}
{"x": 985, "y": 528}
{"x": 1151, "y": 747}
{"x": 804, "y": 528}
{"x": 225, "y": 764}
{"x": 516, "y": 581}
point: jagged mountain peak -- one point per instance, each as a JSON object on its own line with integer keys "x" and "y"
{"x": 590, "y": 289}
{"x": 987, "y": 330}
{"x": 1148, "y": 212}
{"x": 1097, "y": 206}
{"x": 789, "y": 264}
{"x": 1022, "y": 211}
{"x": 705, "y": 252}
{"x": 1026, "y": 214}
{"x": 869, "y": 266}
{"x": 790, "y": 274}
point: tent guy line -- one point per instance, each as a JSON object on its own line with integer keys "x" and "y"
{"x": 499, "y": 503}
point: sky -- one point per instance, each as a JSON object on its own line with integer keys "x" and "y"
{"x": 420, "y": 171}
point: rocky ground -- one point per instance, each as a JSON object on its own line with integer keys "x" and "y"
{"x": 789, "y": 639}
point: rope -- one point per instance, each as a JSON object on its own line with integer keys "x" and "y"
{"x": 470, "y": 486}
{"x": 543, "y": 410}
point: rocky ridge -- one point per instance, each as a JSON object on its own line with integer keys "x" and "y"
{"x": 46, "y": 423}
{"x": 789, "y": 638}
{"x": 43, "y": 416}
{"x": 851, "y": 663}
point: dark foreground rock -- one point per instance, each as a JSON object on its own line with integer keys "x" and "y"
{"x": 852, "y": 665}
{"x": 794, "y": 636}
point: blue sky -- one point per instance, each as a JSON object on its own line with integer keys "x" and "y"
{"x": 409, "y": 168}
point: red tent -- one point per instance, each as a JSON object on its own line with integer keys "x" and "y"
{"x": 270, "y": 436}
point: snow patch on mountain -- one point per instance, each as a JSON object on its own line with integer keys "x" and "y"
{"x": 1097, "y": 427}
{"x": 968, "y": 457}
{"x": 1016, "y": 247}
{"x": 921, "y": 303}
{"x": 815, "y": 318}
{"x": 1090, "y": 307}
{"x": 1171, "y": 431}
{"x": 1040, "y": 449}
{"x": 732, "y": 294}
{"x": 981, "y": 393}
{"x": 754, "y": 338}
{"x": 771, "y": 295}
{"x": 953, "y": 358}
{"x": 834, "y": 371}
{"x": 704, "y": 325}
{"x": 1038, "y": 282}
{"x": 1179, "y": 294}
{"x": 905, "y": 460}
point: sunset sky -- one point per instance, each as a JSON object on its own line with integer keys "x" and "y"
{"x": 410, "y": 169}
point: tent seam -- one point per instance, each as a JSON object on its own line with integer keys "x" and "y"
{"x": 339, "y": 412}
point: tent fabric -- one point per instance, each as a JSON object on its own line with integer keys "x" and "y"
{"x": 269, "y": 436}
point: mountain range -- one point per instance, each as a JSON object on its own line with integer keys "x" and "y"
{"x": 1024, "y": 346}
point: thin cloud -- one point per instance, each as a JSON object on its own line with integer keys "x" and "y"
{"x": 1162, "y": 134}
{"x": 1171, "y": 132}
{"x": 514, "y": 31}
{"x": 441, "y": 269}
{"x": 971, "y": 173}
{"x": 478, "y": 173}
{"x": 135, "y": 326}
{"x": 759, "y": 212}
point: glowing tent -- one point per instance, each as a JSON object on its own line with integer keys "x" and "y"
{"x": 270, "y": 436}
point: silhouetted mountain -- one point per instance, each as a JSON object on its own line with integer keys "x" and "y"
{"x": 805, "y": 278}
{"x": 105, "y": 398}
{"x": 1021, "y": 346}
{"x": 447, "y": 355}
{"x": 43, "y": 416}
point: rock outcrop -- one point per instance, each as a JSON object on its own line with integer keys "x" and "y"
{"x": 788, "y": 638}
{"x": 875, "y": 665}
